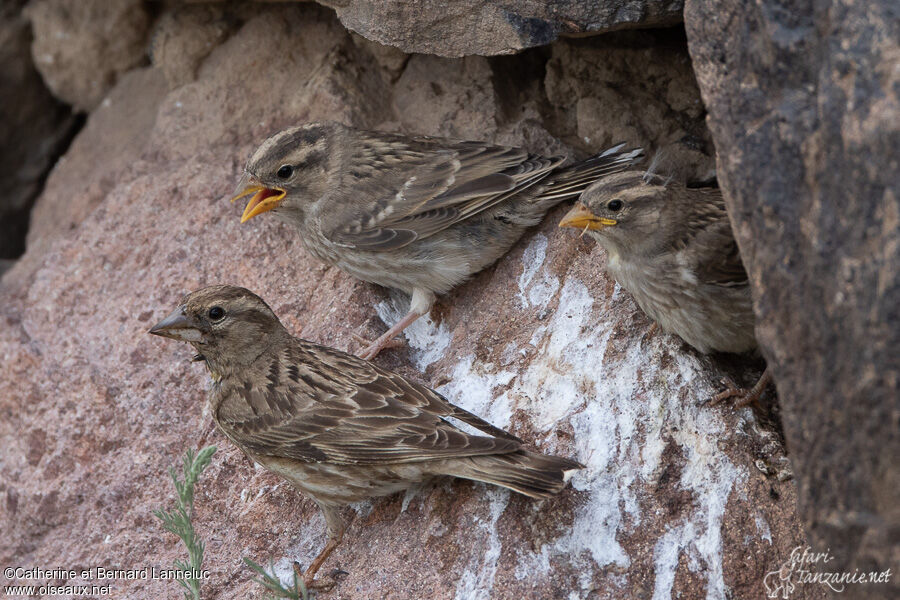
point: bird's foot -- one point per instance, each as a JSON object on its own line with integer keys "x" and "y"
{"x": 732, "y": 391}
{"x": 371, "y": 349}
{"x": 321, "y": 584}
{"x": 389, "y": 337}
{"x": 744, "y": 396}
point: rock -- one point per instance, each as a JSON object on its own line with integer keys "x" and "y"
{"x": 391, "y": 59}
{"x": 81, "y": 48}
{"x": 94, "y": 411}
{"x": 804, "y": 107}
{"x": 437, "y": 95}
{"x": 635, "y": 87}
{"x": 186, "y": 35}
{"x": 34, "y": 128}
{"x": 455, "y": 29}
{"x": 110, "y": 144}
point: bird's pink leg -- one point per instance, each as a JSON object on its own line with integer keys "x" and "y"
{"x": 745, "y": 397}
{"x": 309, "y": 577}
{"x": 335, "y": 526}
{"x": 420, "y": 304}
{"x": 388, "y": 338}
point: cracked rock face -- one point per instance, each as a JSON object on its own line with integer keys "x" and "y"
{"x": 82, "y": 47}
{"x": 94, "y": 411}
{"x": 34, "y": 127}
{"x": 820, "y": 237}
{"x": 469, "y": 27}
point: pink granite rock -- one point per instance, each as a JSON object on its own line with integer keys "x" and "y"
{"x": 81, "y": 48}
{"x": 94, "y": 411}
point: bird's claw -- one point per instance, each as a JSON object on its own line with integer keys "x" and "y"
{"x": 371, "y": 349}
{"x": 732, "y": 391}
{"x": 322, "y": 584}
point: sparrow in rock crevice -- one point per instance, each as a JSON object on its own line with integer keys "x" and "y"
{"x": 673, "y": 249}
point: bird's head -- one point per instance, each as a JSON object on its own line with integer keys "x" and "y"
{"x": 623, "y": 211}
{"x": 289, "y": 171}
{"x": 229, "y": 326}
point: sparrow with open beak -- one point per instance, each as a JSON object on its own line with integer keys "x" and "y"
{"x": 338, "y": 428}
{"x": 673, "y": 249}
{"x": 416, "y": 214}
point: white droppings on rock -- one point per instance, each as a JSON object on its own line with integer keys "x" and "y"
{"x": 536, "y": 292}
{"x": 510, "y": 354}
{"x": 763, "y": 528}
{"x": 476, "y": 581}
{"x": 532, "y": 259}
{"x": 626, "y": 412}
{"x": 710, "y": 477}
{"x": 283, "y": 570}
{"x": 474, "y": 387}
{"x": 427, "y": 341}
{"x": 549, "y": 388}
{"x": 623, "y": 410}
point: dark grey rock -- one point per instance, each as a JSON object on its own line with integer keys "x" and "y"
{"x": 33, "y": 126}
{"x": 468, "y": 27}
{"x": 804, "y": 109}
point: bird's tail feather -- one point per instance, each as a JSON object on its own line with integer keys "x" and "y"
{"x": 529, "y": 473}
{"x": 570, "y": 182}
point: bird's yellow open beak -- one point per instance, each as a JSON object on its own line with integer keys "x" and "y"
{"x": 580, "y": 217}
{"x": 264, "y": 199}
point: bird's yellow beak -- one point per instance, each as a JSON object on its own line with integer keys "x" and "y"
{"x": 264, "y": 199}
{"x": 580, "y": 217}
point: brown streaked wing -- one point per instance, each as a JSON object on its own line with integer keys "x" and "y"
{"x": 431, "y": 185}
{"x": 332, "y": 407}
{"x": 719, "y": 260}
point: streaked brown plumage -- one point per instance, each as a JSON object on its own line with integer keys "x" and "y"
{"x": 338, "y": 428}
{"x": 672, "y": 248}
{"x": 416, "y": 214}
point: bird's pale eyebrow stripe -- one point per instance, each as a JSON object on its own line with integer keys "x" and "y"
{"x": 283, "y": 146}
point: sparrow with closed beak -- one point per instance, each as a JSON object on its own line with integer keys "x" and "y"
{"x": 417, "y": 214}
{"x": 672, "y": 248}
{"x": 338, "y": 428}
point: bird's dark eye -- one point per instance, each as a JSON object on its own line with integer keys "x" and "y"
{"x": 615, "y": 205}
{"x": 216, "y": 313}
{"x": 285, "y": 171}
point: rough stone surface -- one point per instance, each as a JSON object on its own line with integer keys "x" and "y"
{"x": 184, "y": 36}
{"x": 812, "y": 91}
{"x": 93, "y": 411}
{"x": 110, "y": 144}
{"x": 648, "y": 79}
{"x": 82, "y": 47}
{"x": 455, "y": 29}
{"x": 33, "y": 128}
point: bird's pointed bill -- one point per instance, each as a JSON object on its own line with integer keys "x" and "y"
{"x": 580, "y": 217}
{"x": 177, "y": 326}
{"x": 264, "y": 199}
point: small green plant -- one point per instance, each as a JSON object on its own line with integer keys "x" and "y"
{"x": 268, "y": 580}
{"x": 178, "y": 521}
